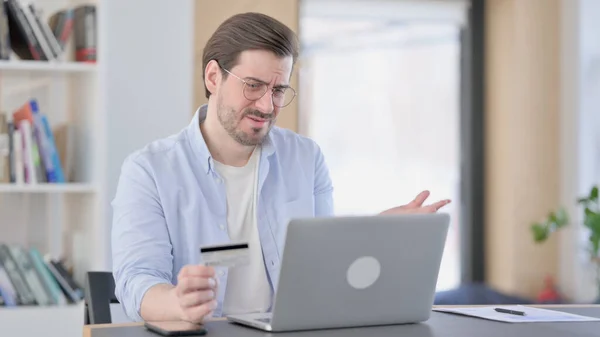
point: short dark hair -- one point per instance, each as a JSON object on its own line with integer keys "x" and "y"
{"x": 248, "y": 31}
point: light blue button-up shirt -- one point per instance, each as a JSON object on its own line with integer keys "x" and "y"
{"x": 170, "y": 201}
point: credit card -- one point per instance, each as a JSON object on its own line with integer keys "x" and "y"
{"x": 225, "y": 255}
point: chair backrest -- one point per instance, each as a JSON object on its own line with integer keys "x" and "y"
{"x": 99, "y": 294}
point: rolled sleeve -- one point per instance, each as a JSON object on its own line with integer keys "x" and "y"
{"x": 141, "y": 247}
{"x": 133, "y": 290}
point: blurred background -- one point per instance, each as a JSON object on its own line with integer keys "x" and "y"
{"x": 494, "y": 104}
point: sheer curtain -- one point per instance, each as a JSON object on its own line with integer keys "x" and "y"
{"x": 380, "y": 90}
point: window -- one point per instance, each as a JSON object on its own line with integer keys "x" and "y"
{"x": 380, "y": 93}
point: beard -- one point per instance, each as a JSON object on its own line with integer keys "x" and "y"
{"x": 230, "y": 120}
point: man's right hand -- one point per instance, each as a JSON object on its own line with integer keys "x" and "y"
{"x": 416, "y": 206}
{"x": 196, "y": 291}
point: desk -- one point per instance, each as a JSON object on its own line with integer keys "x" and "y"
{"x": 439, "y": 325}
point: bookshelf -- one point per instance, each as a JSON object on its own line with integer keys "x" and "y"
{"x": 63, "y": 220}
{"x": 136, "y": 92}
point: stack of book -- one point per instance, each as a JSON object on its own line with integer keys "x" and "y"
{"x": 28, "y": 148}
{"x": 29, "y": 279}
{"x": 24, "y": 31}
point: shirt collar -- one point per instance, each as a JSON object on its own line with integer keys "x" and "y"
{"x": 199, "y": 144}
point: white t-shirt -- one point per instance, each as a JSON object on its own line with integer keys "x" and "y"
{"x": 248, "y": 289}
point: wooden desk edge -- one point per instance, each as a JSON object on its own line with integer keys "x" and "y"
{"x": 87, "y": 329}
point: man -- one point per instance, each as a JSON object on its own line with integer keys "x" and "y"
{"x": 231, "y": 175}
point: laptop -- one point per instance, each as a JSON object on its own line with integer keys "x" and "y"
{"x": 341, "y": 272}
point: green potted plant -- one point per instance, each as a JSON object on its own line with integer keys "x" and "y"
{"x": 558, "y": 219}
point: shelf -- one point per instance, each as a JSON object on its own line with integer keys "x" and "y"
{"x": 65, "y": 321}
{"x": 46, "y": 66}
{"x": 47, "y": 188}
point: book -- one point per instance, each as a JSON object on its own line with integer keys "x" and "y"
{"x": 51, "y": 153}
{"x": 5, "y": 46}
{"x": 63, "y": 136}
{"x": 24, "y": 294}
{"x": 58, "y": 297}
{"x": 43, "y": 150}
{"x": 24, "y": 32}
{"x": 84, "y": 30}
{"x": 70, "y": 287}
{"x": 40, "y": 39}
{"x": 4, "y": 149}
{"x": 32, "y": 278}
{"x": 28, "y": 147}
{"x": 18, "y": 160}
{"x": 24, "y": 127}
{"x": 28, "y": 278}
{"x": 7, "y": 290}
{"x": 11, "y": 151}
{"x": 61, "y": 24}
{"x": 46, "y": 33}
{"x": 22, "y": 38}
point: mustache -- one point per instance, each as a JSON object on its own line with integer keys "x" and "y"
{"x": 258, "y": 114}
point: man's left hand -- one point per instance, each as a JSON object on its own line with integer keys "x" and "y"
{"x": 416, "y": 206}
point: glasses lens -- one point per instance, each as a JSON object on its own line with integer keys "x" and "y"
{"x": 254, "y": 91}
{"x": 283, "y": 96}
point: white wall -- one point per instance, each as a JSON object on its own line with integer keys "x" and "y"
{"x": 146, "y": 50}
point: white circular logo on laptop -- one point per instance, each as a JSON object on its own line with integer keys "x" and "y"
{"x": 363, "y": 272}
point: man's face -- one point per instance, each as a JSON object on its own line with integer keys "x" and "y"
{"x": 245, "y": 120}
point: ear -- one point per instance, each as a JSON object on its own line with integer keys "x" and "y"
{"x": 212, "y": 76}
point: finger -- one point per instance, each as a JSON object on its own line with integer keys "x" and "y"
{"x": 196, "y": 298}
{"x": 436, "y": 206}
{"x": 441, "y": 204}
{"x": 197, "y": 270}
{"x": 419, "y": 200}
{"x": 195, "y": 283}
{"x": 198, "y": 313}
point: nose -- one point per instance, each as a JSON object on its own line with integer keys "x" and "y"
{"x": 265, "y": 103}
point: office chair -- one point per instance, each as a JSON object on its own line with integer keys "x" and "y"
{"x": 99, "y": 294}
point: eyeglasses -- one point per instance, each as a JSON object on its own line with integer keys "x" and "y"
{"x": 253, "y": 90}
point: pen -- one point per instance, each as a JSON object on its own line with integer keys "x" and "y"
{"x": 507, "y": 311}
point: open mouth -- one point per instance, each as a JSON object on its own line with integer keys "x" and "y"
{"x": 257, "y": 122}
{"x": 257, "y": 119}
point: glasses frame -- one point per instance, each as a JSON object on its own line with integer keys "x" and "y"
{"x": 245, "y": 82}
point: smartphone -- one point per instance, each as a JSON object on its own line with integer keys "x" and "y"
{"x": 175, "y": 328}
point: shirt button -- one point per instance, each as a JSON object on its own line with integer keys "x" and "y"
{"x": 221, "y": 273}
{"x": 222, "y": 226}
{"x": 219, "y": 180}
